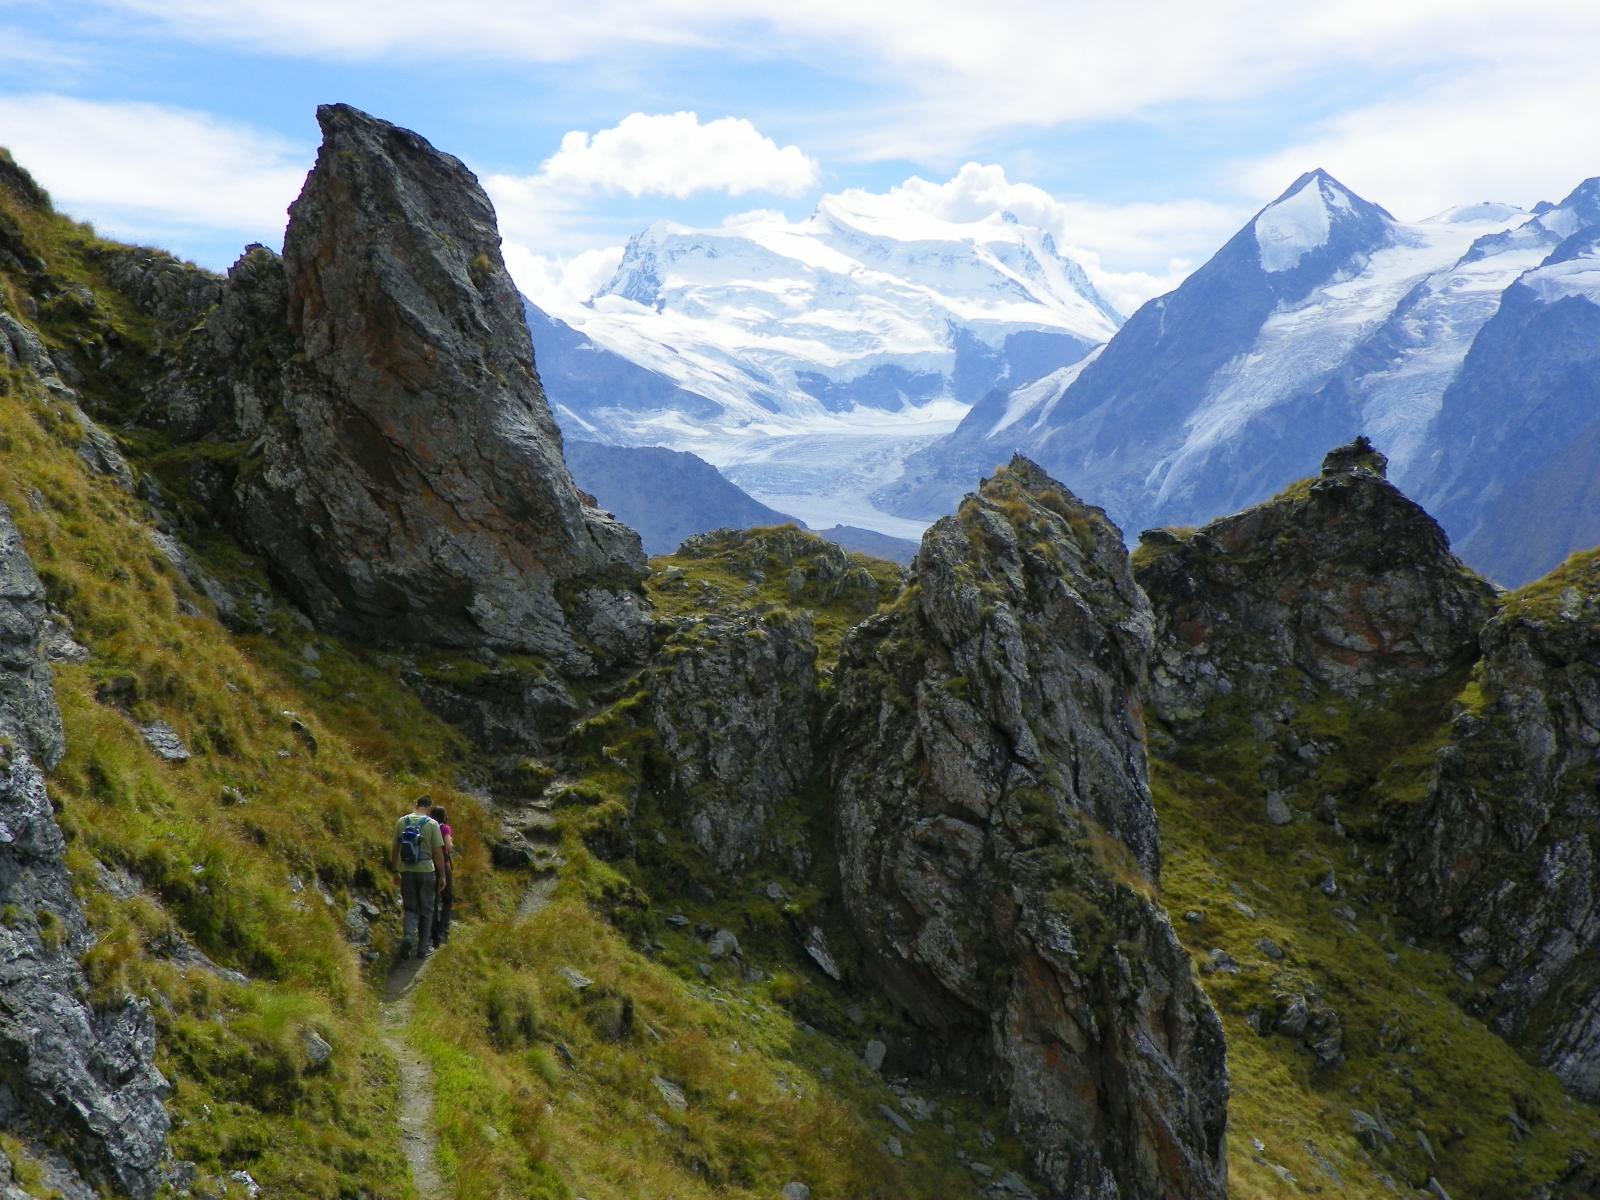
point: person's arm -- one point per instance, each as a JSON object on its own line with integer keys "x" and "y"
{"x": 440, "y": 879}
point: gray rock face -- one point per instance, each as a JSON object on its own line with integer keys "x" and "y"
{"x": 228, "y": 371}
{"x": 70, "y": 1075}
{"x": 998, "y": 844}
{"x": 1341, "y": 581}
{"x": 405, "y": 480}
{"x": 507, "y": 708}
{"x": 27, "y": 696}
{"x": 173, "y": 292}
{"x": 733, "y": 703}
{"x": 1504, "y": 857}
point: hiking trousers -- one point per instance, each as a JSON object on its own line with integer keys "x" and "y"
{"x": 442, "y": 912}
{"x": 416, "y": 894}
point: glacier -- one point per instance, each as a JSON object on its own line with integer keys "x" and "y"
{"x": 808, "y": 359}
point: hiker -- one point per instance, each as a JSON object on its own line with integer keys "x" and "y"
{"x": 418, "y": 859}
{"x": 447, "y": 894}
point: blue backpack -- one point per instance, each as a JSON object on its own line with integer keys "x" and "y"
{"x": 411, "y": 847}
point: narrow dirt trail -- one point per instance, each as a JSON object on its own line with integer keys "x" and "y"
{"x": 416, "y": 1080}
{"x": 418, "y": 1138}
{"x": 537, "y": 896}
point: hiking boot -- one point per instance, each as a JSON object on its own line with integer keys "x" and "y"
{"x": 424, "y": 952}
{"x": 405, "y": 951}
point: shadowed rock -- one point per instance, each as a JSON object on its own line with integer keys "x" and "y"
{"x": 410, "y": 483}
{"x": 1339, "y": 581}
{"x": 998, "y": 843}
{"x": 1503, "y": 857}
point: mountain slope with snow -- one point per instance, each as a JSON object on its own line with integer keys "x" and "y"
{"x": 1518, "y": 450}
{"x": 1321, "y": 317}
{"x": 807, "y": 359}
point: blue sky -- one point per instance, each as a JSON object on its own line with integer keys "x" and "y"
{"x": 1141, "y": 133}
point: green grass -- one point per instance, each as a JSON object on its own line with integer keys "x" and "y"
{"x": 1575, "y": 583}
{"x": 753, "y": 569}
{"x": 575, "y": 1113}
{"x": 1413, "y": 1053}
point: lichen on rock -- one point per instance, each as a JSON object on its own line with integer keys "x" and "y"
{"x": 1503, "y": 856}
{"x": 1340, "y": 581}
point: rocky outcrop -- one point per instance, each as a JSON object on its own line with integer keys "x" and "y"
{"x": 1504, "y": 857}
{"x": 998, "y": 846}
{"x": 27, "y": 697}
{"x": 1342, "y": 589}
{"x": 1340, "y": 583}
{"x": 733, "y": 703}
{"x": 174, "y": 294}
{"x": 71, "y": 1075}
{"x": 404, "y": 476}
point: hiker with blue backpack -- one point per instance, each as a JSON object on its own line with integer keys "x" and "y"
{"x": 418, "y": 859}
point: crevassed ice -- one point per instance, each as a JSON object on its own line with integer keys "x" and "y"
{"x": 1578, "y": 277}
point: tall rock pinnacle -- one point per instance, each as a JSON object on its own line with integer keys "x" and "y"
{"x": 411, "y": 485}
{"x": 998, "y": 847}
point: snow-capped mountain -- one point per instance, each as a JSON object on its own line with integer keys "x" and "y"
{"x": 1515, "y": 471}
{"x": 806, "y": 359}
{"x": 1323, "y": 316}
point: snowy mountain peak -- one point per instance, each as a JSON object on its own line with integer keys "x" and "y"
{"x": 1305, "y": 219}
{"x": 1578, "y": 211}
{"x": 1547, "y": 226}
{"x": 1473, "y": 214}
{"x": 822, "y": 347}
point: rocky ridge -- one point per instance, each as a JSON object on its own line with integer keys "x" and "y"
{"x": 1341, "y": 588}
{"x": 1503, "y": 855}
{"x": 930, "y": 831}
{"x": 1341, "y": 581}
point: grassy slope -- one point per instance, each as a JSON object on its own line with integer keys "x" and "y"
{"x": 533, "y": 1100}
{"x": 1414, "y": 1055}
{"x": 766, "y": 1051}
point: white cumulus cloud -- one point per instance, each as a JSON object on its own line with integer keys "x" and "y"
{"x": 559, "y": 285}
{"x": 1154, "y": 244}
{"x": 1513, "y": 133}
{"x": 149, "y": 170}
{"x": 675, "y": 154}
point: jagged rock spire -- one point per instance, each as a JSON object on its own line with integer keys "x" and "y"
{"x": 412, "y": 486}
